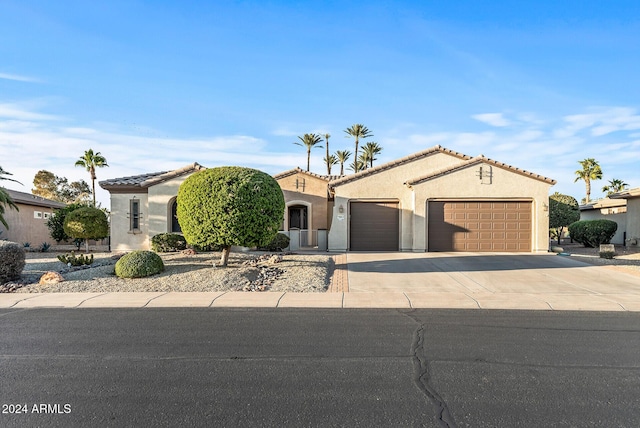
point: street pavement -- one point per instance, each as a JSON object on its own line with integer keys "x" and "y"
{"x": 229, "y": 367}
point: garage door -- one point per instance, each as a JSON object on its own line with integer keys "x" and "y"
{"x": 479, "y": 226}
{"x": 374, "y": 226}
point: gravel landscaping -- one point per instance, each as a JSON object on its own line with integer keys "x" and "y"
{"x": 626, "y": 259}
{"x": 250, "y": 271}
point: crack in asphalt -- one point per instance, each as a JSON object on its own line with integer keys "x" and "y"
{"x": 422, "y": 377}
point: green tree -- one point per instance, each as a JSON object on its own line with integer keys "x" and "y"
{"x": 5, "y": 199}
{"x": 369, "y": 152}
{"x": 358, "y": 131}
{"x": 614, "y": 186}
{"x": 309, "y": 141}
{"x": 228, "y": 206}
{"x": 358, "y": 165}
{"x": 342, "y": 156}
{"x": 590, "y": 171}
{"x": 563, "y": 210}
{"x": 86, "y": 223}
{"x": 330, "y": 161}
{"x": 327, "y": 157}
{"x": 90, "y": 162}
{"x": 50, "y": 186}
{"x": 56, "y": 222}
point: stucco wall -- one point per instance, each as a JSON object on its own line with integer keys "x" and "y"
{"x": 465, "y": 184}
{"x": 384, "y": 185}
{"x": 313, "y": 193}
{"x": 24, "y": 227}
{"x": 620, "y": 219}
{"x": 633, "y": 219}
{"x": 161, "y": 198}
{"x": 122, "y": 239}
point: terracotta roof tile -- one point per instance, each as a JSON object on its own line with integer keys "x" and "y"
{"x": 297, "y": 170}
{"x": 149, "y": 179}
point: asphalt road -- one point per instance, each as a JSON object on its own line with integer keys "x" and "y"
{"x": 248, "y": 367}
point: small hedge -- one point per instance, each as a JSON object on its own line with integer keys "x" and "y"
{"x": 139, "y": 264}
{"x": 12, "y": 256}
{"x": 168, "y": 243}
{"x": 278, "y": 243}
{"x": 592, "y": 233}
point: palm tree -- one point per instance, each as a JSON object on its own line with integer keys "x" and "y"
{"x": 5, "y": 199}
{"x": 309, "y": 141}
{"x": 590, "y": 171}
{"x": 370, "y": 150}
{"x": 363, "y": 161}
{"x": 342, "y": 156}
{"x": 90, "y": 162}
{"x": 614, "y": 186}
{"x": 330, "y": 161}
{"x": 327, "y": 156}
{"x": 358, "y": 131}
{"x": 358, "y": 165}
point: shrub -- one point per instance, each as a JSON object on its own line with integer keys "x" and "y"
{"x": 44, "y": 247}
{"x": 592, "y": 233}
{"x": 12, "y": 260}
{"x": 76, "y": 260}
{"x": 228, "y": 206}
{"x": 168, "y": 242}
{"x": 86, "y": 223}
{"x": 278, "y": 243}
{"x": 139, "y": 264}
{"x": 56, "y": 222}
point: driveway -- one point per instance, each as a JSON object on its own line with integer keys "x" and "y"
{"x": 513, "y": 280}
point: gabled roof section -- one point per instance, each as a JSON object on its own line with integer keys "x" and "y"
{"x": 627, "y": 194}
{"x": 29, "y": 199}
{"x": 376, "y": 169}
{"x": 475, "y": 161}
{"x": 298, "y": 170}
{"x": 149, "y": 179}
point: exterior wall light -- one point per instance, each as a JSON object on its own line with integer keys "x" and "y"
{"x": 340, "y": 209}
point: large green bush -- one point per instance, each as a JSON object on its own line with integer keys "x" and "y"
{"x": 139, "y": 264}
{"x": 86, "y": 223}
{"x": 230, "y": 206}
{"x": 56, "y": 222}
{"x": 278, "y": 243}
{"x": 12, "y": 260}
{"x": 563, "y": 210}
{"x": 168, "y": 242}
{"x": 592, "y": 233}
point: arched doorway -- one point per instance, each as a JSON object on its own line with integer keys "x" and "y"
{"x": 298, "y": 217}
{"x": 174, "y": 226}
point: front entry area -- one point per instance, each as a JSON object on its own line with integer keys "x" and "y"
{"x": 374, "y": 226}
{"x": 480, "y": 226}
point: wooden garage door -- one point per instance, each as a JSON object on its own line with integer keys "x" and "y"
{"x": 374, "y": 226}
{"x": 479, "y": 226}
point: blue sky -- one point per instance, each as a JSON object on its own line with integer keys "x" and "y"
{"x": 157, "y": 85}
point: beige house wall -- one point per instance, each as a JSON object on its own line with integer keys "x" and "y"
{"x": 466, "y": 184}
{"x": 633, "y": 220}
{"x": 304, "y": 189}
{"x": 387, "y": 185}
{"x": 161, "y": 197}
{"x": 602, "y": 214}
{"x": 25, "y": 227}
{"x": 122, "y": 239}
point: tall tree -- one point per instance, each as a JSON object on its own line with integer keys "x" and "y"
{"x": 90, "y": 162}
{"x": 358, "y": 131}
{"x": 50, "y": 186}
{"x": 330, "y": 161}
{"x": 614, "y": 186}
{"x": 358, "y": 165}
{"x": 563, "y": 210}
{"x": 342, "y": 156}
{"x": 309, "y": 141}
{"x": 370, "y": 150}
{"x": 327, "y": 156}
{"x": 5, "y": 199}
{"x": 590, "y": 171}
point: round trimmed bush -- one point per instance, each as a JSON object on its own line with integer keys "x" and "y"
{"x": 592, "y": 233}
{"x": 278, "y": 243}
{"x": 139, "y": 264}
{"x": 86, "y": 223}
{"x": 168, "y": 242}
{"x": 12, "y": 256}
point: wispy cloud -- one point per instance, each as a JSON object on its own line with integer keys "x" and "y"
{"x": 19, "y": 78}
{"x": 21, "y": 112}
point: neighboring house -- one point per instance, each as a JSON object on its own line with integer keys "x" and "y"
{"x": 29, "y": 224}
{"x": 434, "y": 200}
{"x": 608, "y": 209}
{"x": 632, "y": 224}
{"x": 441, "y": 200}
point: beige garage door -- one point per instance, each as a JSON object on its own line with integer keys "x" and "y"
{"x": 374, "y": 226}
{"x": 479, "y": 226}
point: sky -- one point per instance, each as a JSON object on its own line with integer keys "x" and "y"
{"x": 157, "y": 85}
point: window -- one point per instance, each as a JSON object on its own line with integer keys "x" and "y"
{"x": 47, "y": 215}
{"x": 134, "y": 215}
{"x": 37, "y": 214}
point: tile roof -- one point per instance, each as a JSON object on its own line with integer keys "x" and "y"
{"x": 475, "y": 161}
{"x": 29, "y": 199}
{"x": 604, "y": 203}
{"x": 149, "y": 179}
{"x": 627, "y": 194}
{"x": 297, "y": 170}
{"x": 397, "y": 162}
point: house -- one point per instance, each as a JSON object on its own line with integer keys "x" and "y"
{"x": 433, "y": 200}
{"x": 632, "y": 217}
{"x": 608, "y": 209}
{"x": 29, "y": 223}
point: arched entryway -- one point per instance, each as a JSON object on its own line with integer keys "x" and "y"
{"x": 174, "y": 226}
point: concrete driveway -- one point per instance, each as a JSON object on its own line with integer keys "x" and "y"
{"x": 508, "y": 281}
